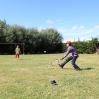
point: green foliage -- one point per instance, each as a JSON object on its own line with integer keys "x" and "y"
{"x": 88, "y": 47}
{"x": 3, "y": 28}
{"x": 53, "y": 40}
{"x": 34, "y": 41}
{"x": 49, "y": 40}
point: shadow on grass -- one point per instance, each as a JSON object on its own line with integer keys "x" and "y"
{"x": 88, "y": 68}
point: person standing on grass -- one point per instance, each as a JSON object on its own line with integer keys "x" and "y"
{"x": 17, "y": 52}
{"x": 73, "y": 57}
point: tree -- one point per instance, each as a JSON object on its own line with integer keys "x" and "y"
{"x": 35, "y": 41}
{"x": 3, "y": 27}
{"x": 52, "y": 40}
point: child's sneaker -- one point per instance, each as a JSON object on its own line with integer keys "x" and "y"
{"x": 60, "y": 66}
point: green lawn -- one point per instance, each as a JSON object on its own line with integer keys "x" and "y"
{"x": 29, "y": 78}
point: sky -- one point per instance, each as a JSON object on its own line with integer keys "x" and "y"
{"x": 74, "y": 19}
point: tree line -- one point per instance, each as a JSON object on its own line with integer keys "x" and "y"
{"x": 35, "y": 41}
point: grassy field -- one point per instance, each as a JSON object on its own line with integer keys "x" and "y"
{"x": 29, "y": 78}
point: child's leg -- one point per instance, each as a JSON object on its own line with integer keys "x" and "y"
{"x": 66, "y": 61}
{"x": 18, "y": 55}
{"x": 73, "y": 63}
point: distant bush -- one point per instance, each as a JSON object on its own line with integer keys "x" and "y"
{"x": 88, "y": 47}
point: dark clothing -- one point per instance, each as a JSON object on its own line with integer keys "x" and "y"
{"x": 73, "y": 57}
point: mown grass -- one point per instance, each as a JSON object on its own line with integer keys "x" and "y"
{"x": 30, "y": 76}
